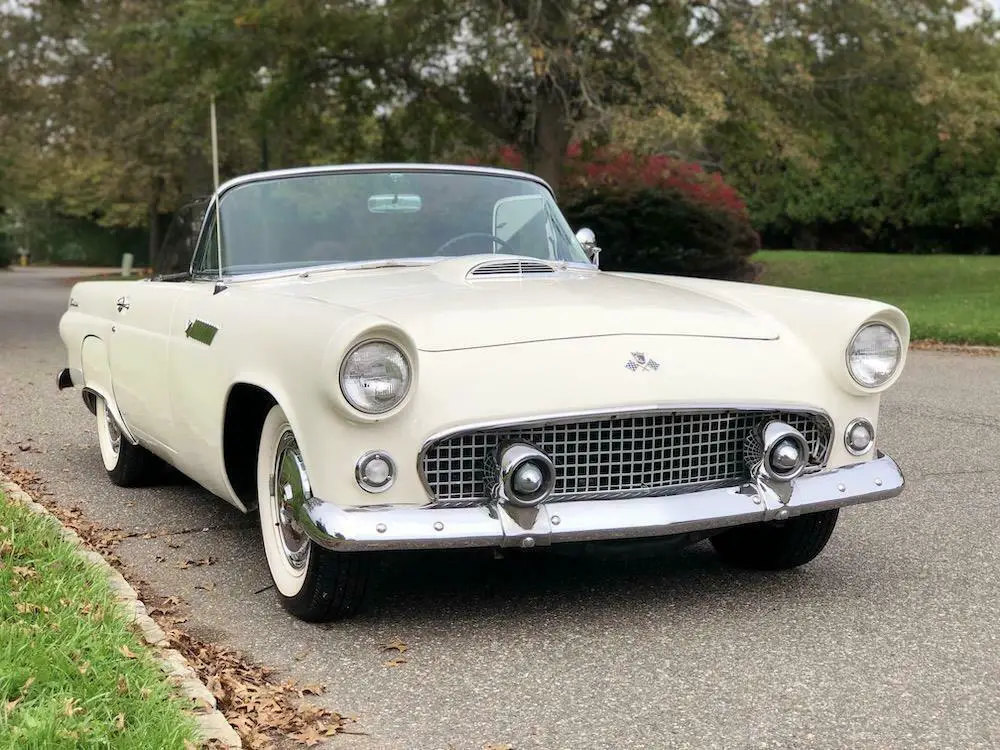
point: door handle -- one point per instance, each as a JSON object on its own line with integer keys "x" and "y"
{"x": 122, "y": 303}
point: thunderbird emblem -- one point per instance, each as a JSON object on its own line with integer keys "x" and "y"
{"x": 640, "y": 361}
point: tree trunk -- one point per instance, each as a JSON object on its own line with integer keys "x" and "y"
{"x": 550, "y": 138}
{"x": 155, "y": 192}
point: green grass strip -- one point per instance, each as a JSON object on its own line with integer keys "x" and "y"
{"x": 949, "y": 298}
{"x": 73, "y": 673}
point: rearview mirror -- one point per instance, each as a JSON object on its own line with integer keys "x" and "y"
{"x": 384, "y": 204}
{"x": 588, "y": 241}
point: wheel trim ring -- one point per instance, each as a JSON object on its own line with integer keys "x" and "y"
{"x": 114, "y": 433}
{"x": 110, "y": 448}
{"x": 289, "y": 474}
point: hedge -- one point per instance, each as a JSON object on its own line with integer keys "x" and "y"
{"x": 654, "y": 214}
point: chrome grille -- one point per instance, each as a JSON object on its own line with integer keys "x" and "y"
{"x": 620, "y": 455}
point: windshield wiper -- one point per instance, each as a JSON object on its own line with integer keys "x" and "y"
{"x": 364, "y": 265}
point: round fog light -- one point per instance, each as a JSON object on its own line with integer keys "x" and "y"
{"x": 375, "y": 471}
{"x": 859, "y": 436}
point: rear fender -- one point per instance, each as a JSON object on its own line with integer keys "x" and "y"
{"x": 97, "y": 382}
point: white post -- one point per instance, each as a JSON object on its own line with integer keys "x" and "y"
{"x": 127, "y": 260}
{"x": 215, "y": 147}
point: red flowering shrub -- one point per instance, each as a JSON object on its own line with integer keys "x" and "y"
{"x": 654, "y": 214}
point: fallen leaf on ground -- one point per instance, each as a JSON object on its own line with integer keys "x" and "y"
{"x": 312, "y": 690}
{"x": 24, "y": 572}
{"x": 70, "y": 707}
{"x": 127, "y": 652}
{"x": 120, "y": 721}
{"x": 215, "y": 685}
{"x": 396, "y": 644}
{"x": 122, "y": 685}
{"x": 309, "y": 736}
{"x": 84, "y": 667}
{"x": 205, "y": 586}
{"x": 396, "y": 661}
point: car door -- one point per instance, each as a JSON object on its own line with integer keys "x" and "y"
{"x": 197, "y": 376}
{"x": 142, "y": 314}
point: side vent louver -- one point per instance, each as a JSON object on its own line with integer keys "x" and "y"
{"x": 511, "y": 268}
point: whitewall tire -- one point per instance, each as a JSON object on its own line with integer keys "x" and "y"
{"x": 312, "y": 583}
{"x": 127, "y": 465}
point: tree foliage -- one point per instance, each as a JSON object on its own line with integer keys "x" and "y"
{"x": 863, "y": 123}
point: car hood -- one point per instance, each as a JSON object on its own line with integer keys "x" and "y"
{"x": 469, "y": 303}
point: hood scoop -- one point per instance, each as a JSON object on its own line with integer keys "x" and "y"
{"x": 510, "y": 268}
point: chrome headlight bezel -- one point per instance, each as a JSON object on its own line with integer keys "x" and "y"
{"x": 849, "y": 355}
{"x": 369, "y": 409}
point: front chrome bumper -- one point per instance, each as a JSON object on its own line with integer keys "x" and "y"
{"x": 397, "y": 527}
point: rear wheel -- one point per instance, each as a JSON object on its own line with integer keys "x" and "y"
{"x": 777, "y": 545}
{"x": 313, "y": 583}
{"x": 127, "y": 465}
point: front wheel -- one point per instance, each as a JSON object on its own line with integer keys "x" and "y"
{"x": 313, "y": 583}
{"x": 777, "y": 545}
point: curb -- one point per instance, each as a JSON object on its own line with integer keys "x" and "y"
{"x": 932, "y": 345}
{"x": 212, "y": 723}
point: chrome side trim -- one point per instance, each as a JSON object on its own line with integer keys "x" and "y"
{"x": 632, "y": 411}
{"x": 409, "y": 527}
{"x": 90, "y": 396}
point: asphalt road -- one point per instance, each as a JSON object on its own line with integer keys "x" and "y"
{"x": 890, "y": 639}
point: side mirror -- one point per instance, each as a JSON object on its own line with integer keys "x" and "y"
{"x": 588, "y": 240}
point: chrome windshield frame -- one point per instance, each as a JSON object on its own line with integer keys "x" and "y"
{"x": 280, "y": 174}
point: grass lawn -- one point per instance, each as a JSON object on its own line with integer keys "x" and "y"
{"x": 948, "y": 298}
{"x": 72, "y": 672}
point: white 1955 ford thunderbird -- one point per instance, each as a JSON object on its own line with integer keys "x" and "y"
{"x": 385, "y": 357}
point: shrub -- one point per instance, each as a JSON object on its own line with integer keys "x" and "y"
{"x": 655, "y": 214}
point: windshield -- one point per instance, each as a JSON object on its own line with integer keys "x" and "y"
{"x": 343, "y": 217}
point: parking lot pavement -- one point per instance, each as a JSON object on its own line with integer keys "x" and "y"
{"x": 890, "y": 639}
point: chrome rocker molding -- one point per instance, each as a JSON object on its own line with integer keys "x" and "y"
{"x": 499, "y": 525}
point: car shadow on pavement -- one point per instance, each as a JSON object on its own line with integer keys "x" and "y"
{"x": 459, "y": 584}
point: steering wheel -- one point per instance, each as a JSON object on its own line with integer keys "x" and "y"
{"x": 461, "y": 237}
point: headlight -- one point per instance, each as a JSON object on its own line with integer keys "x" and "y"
{"x": 874, "y": 354}
{"x": 375, "y": 377}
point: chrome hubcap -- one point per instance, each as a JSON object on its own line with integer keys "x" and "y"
{"x": 114, "y": 434}
{"x": 290, "y": 489}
